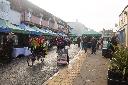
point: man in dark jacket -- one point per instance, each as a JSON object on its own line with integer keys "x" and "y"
{"x": 78, "y": 41}
{"x": 94, "y": 43}
{"x": 85, "y": 43}
{"x": 114, "y": 40}
{"x": 9, "y": 45}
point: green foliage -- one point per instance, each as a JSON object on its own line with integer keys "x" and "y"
{"x": 119, "y": 61}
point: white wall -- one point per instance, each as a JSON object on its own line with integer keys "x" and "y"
{"x": 14, "y": 17}
{"x": 8, "y": 14}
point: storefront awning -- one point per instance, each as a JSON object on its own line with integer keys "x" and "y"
{"x": 4, "y": 27}
{"x": 29, "y": 29}
{"x": 14, "y": 28}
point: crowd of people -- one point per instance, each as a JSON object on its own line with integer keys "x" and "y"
{"x": 85, "y": 42}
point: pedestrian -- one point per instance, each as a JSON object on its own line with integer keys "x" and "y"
{"x": 81, "y": 43}
{"x": 75, "y": 40}
{"x": 94, "y": 42}
{"x": 101, "y": 42}
{"x": 60, "y": 43}
{"x": 114, "y": 40}
{"x": 10, "y": 45}
{"x": 110, "y": 49}
{"x": 98, "y": 44}
{"x": 85, "y": 44}
{"x": 78, "y": 41}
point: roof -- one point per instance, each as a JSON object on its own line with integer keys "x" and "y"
{"x": 124, "y": 10}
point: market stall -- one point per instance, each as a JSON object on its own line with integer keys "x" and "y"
{"x": 19, "y": 37}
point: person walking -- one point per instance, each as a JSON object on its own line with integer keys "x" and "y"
{"x": 78, "y": 41}
{"x": 110, "y": 50}
{"x": 9, "y": 44}
{"x": 81, "y": 43}
{"x": 114, "y": 40}
{"x": 94, "y": 43}
{"x": 85, "y": 44}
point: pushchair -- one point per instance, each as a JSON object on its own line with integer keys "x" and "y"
{"x": 62, "y": 58}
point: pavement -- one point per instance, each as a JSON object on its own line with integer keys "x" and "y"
{"x": 84, "y": 69}
{"x": 19, "y": 73}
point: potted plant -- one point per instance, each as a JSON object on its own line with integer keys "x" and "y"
{"x": 118, "y": 70}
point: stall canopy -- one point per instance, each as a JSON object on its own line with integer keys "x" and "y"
{"x": 48, "y": 32}
{"x": 92, "y": 33}
{"x": 4, "y": 27}
{"x": 28, "y": 29}
{"x": 72, "y": 35}
{"x": 14, "y": 28}
{"x": 38, "y": 30}
{"x": 62, "y": 34}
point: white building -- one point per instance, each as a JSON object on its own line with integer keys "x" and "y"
{"x": 7, "y": 13}
{"x": 78, "y": 28}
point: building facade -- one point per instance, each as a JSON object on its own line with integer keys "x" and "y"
{"x": 123, "y": 26}
{"x": 7, "y": 13}
{"x": 23, "y": 11}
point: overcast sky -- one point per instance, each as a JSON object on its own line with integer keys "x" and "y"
{"x": 94, "y": 14}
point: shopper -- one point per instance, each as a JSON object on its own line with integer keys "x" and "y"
{"x": 114, "y": 40}
{"x": 110, "y": 50}
{"x": 94, "y": 42}
{"x": 9, "y": 45}
{"x": 78, "y": 41}
{"x": 81, "y": 43}
{"x": 85, "y": 44}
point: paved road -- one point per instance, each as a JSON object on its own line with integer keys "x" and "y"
{"x": 93, "y": 71}
{"x": 85, "y": 69}
{"x": 18, "y": 73}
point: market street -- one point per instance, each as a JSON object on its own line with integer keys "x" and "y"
{"x": 18, "y": 73}
{"x": 85, "y": 69}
